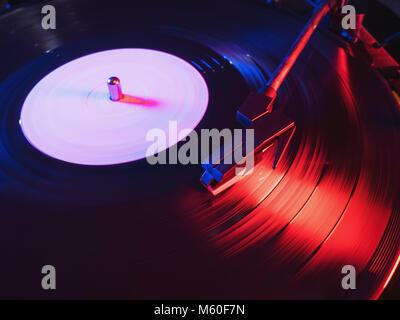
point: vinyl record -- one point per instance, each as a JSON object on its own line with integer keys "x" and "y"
{"x": 116, "y": 226}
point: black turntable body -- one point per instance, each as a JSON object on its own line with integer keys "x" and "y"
{"x": 138, "y": 231}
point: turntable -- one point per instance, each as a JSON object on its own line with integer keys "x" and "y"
{"x": 81, "y": 105}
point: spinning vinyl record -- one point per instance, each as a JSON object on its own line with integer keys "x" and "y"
{"x": 79, "y": 193}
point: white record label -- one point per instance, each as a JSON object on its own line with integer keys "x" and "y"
{"x": 68, "y": 115}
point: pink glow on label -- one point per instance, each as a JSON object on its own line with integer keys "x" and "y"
{"x": 68, "y": 114}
